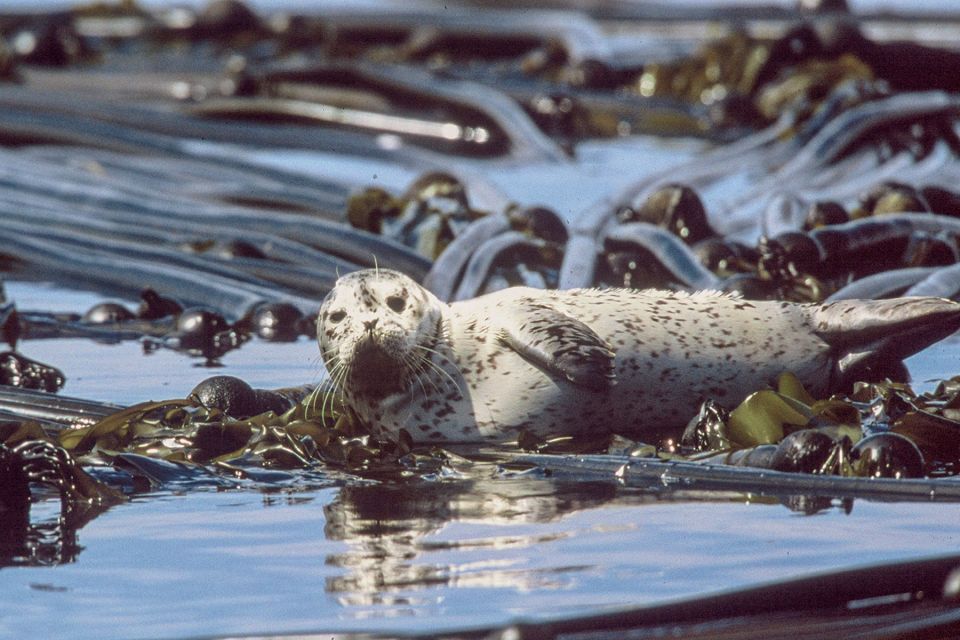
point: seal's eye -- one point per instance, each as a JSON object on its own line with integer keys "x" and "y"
{"x": 337, "y": 316}
{"x": 396, "y": 303}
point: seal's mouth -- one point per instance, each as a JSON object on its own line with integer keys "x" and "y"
{"x": 375, "y": 371}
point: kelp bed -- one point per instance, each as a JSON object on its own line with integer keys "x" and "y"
{"x": 143, "y": 155}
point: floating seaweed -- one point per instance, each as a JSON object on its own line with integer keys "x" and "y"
{"x": 132, "y": 165}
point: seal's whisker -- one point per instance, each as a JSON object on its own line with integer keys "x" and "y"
{"x": 435, "y": 352}
{"x": 347, "y": 373}
{"x": 341, "y": 373}
{"x": 411, "y": 366}
{"x": 430, "y": 369}
{"x": 445, "y": 375}
{"x": 438, "y": 368}
{"x": 338, "y": 365}
{"x": 310, "y": 401}
{"x": 328, "y": 353}
{"x": 337, "y": 378}
{"x": 423, "y": 365}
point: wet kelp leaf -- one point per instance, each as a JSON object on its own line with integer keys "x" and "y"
{"x": 117, "y": 431}
{"x": 215, "y": 439}
{"x": 838, "y": 412}
{"x": 763, "y": 416}
{"x": 881, "y": 430}
{"x": 790, "y": 386}
{"x": 29, "y": 461}
{"x": 948, "y": 392}
{"x": 316, "y": 430}
{"x": 813, "y": 451}
{"x": 787, "y": 430}
{"x": 313, "y": 430}
{"x": 708, "y": 431}
{"x": 938, "y": 438}
{"x": 17, "y": 370}
{"x": 13, "y": 432}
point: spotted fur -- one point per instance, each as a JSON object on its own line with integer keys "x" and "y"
{"x": 560, "y": 362}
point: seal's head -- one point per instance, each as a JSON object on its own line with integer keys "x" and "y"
{"x": 376, "y": 328}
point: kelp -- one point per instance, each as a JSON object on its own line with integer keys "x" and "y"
{"x": 158, "y": 322}
{"x": 314, "y": 431}
{"x": 915, "y": 598}
{"x": 880, "y": 430}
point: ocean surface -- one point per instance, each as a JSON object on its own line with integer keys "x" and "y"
{"x": 328, "y": 554}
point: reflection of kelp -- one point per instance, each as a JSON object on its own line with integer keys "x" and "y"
{"x": 26, "y": 464}
{"x": 42, "y": 544}
{"x": 25, "y": 542}
{"x": 385, "y": 527}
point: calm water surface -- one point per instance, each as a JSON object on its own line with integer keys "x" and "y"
{"x": 433, "y": 555}
{"x": 329, "y": 555}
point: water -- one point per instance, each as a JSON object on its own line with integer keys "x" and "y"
{"x": 435, "y": 556}
{"x": 324, "y": 555}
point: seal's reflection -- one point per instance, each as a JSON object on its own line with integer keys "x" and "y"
{"x": 388, "y": 527}
{"x": 393, "y": 530}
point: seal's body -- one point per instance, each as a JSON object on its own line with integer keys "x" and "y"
{"x": 588, "y": 360}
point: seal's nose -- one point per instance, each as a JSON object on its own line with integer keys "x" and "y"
{"x": 370, "y": 324}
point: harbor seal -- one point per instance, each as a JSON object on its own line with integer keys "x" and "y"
{"x": 638, "y": 362}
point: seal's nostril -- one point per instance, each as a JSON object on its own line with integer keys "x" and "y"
{"x": 370, "y": 324}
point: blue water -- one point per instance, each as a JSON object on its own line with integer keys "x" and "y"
{"x": 328, "y": 560}
{"x": 326, "y": 556}
{"x": 488, "y": 550}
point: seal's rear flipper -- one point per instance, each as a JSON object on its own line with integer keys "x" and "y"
{"x": 874, "y": 335}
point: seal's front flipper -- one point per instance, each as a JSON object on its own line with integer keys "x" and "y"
{"x": 560, "y": 345}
